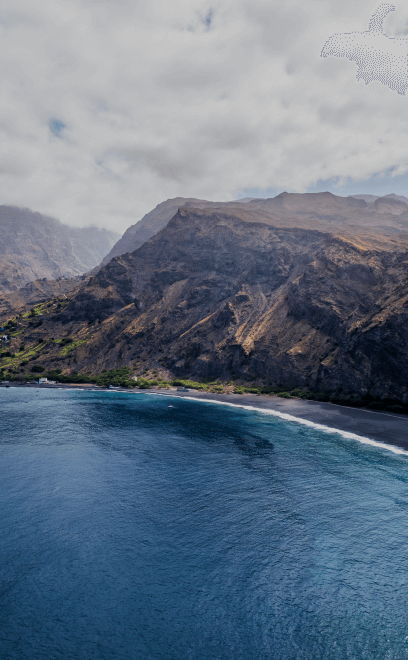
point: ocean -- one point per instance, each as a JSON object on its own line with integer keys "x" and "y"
{"x": 144, "y": 527}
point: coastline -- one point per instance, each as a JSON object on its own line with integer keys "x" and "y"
{"x": 384, "y": 428}
{"x": 388, "y": 429}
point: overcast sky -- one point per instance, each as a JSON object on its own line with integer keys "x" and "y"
{"x": 110, "y": 107}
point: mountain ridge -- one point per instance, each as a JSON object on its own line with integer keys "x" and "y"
{"x": 286, "y": 209}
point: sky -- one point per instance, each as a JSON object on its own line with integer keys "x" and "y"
{"x": 109, "y": 107}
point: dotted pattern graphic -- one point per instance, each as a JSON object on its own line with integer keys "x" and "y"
{"x": 377, "y": 56}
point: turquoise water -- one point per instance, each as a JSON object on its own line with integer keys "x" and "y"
{"x": 132, "y": 529}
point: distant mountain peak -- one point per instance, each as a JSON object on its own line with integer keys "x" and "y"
{"x": 34, "y": 246}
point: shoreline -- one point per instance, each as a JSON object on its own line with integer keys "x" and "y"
{"x": 386, "y": 428}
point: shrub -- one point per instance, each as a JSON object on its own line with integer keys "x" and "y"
{"x": 284, "y": 395}
{"x": 23, "y": 363}
{"x": 66, "y": 340}
{"x": 297, "y": 392}
{"x": 36, "y": 368}
{"x": 266, "y": 390}
{"x": 340, "y": 399}
{"x": 189, "y": 383}
{"x": 395, "y": 408}
{"x": 142, "y": 383}
{"x": 321, "y": 396}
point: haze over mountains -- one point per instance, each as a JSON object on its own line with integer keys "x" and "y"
{"x": 299, "y": 290}
{"x": 33, "y": 246}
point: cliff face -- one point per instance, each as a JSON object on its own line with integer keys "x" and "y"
{"x": 33, "y": 246}
{"x": 221, "y": 295}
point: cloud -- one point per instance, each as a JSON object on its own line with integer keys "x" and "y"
{"x": 108, "y": 107}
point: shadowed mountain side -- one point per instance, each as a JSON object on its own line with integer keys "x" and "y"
{"x": 215, "y": 294}
{"x": 33, "y": 246}
{"x": 322, "y": 211}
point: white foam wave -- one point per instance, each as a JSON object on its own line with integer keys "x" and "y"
{"x": 306, "y": 422}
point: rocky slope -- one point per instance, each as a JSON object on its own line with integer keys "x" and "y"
{"x": 231, "y": 294}
{"x": 33, "y": 246}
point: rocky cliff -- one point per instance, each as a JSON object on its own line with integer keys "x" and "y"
{"x": 33, "y": 246}
{"x": 231, "y": 294}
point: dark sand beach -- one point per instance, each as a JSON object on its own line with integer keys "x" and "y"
{"x": 389, "y": 428}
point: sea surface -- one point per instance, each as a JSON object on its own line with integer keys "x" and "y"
{"x": 145, "y": 527}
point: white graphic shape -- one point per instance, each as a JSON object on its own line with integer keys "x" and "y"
{"x": 377, "y": 56}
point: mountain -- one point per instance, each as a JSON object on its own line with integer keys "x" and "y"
{"x": 400, "y": 198}
{"x": 151, "y": 223}
{"x": 372, "y": 198}
{"x": 283, "y": 293}
{"x": 33, "y": 246}
{"x": 320, "y": 210}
